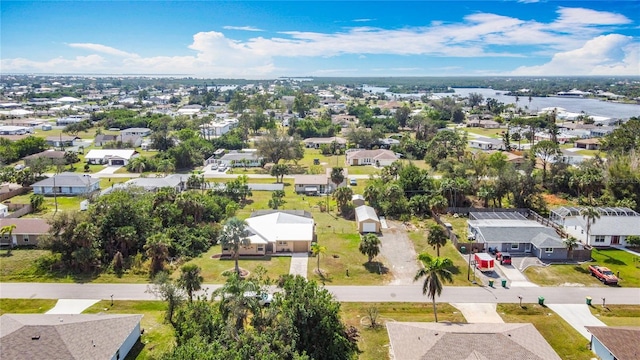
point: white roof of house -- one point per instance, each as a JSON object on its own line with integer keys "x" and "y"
{"x": 68, "y": 99}
{"x": 280, "y": 226}
{"x": 365, "y": 212}
{"x": 101, "y": 154}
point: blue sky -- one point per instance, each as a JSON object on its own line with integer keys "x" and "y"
{"x": 265, "y": 39}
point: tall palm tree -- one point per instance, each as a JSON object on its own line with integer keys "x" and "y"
{"x": 437, "y": 238}
{"x": 157, "y": 249}
{"x": 337, "y": 176}
{"x": 590, "y": 214}
{"x": 316, "y": 250}
{"x": 342, "y": 196}
{"x": 190, "y": 279}
{"x": 234, "y": 235}
{"x": 370, "y": 246}
{"x": 434, "y": 273}
{"x": 8, "y": 229}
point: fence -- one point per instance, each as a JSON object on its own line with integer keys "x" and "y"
{"x": 12, "y": 193}
{"x": 22, "y": 209}
{"x": 450, "y": 233}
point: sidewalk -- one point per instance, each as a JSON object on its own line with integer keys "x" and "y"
{"x": 578, "y": 316}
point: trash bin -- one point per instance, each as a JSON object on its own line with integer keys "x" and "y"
{"x": 463, "y": 249}
{"x": 504, "y": 283}
{"x": 541, "y": 300}
{"x": 491, "y": 283}
{"x": 588, "y": 300}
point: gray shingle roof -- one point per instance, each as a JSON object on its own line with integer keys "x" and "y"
{"x": 512, "y": 231}
{"x": 42, "y": 336}
{"x": 446, "y": 341}
{"x": 622, "y": 341}
{"x": 68, "y": 179}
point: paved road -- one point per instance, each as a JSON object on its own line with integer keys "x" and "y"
{"x": 393, "y": 293}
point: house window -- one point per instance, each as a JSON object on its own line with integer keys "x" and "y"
{"x": 225, "y": 248}
{"x": 515, "y": 246}
{"x": 25, "y": 238}
{"x": 283, "y": 243}
{"x": 260, "y": 248}
{"x": 600, "y": 238}
{"x": 548, "y": 250}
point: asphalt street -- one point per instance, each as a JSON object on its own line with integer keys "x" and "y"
{"x": 390, "y": 293}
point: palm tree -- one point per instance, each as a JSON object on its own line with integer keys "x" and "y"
{"x": 590, "y": 214}
{"x": 157, "y": 249}
{"x": 316, "y": 250}
{"x": 342, "y": 196}
{"x": 370, "y": 246}
{"x": 438, "y": 204}
{"x": 437, "y": 238}
{"x": 435, "y": 273}
{"x": 165, "y": 166}
{"x": 190, "y": 279}
{"x": 138, "y": 164}
{"x": 337, "y": 176}
{"x": 235, "y": 306}
{"x": 570, "y": 243}
{"x": 235, "y": 234}
{"x": 8, "y": 229}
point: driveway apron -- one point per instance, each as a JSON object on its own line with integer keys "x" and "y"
{"x": 71, "y": 306}
{"x": 479, "y": 313}
{"x": 578, "y": 316}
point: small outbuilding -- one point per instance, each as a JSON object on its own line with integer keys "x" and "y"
{"x": 367, "y": 219}
{"x": 357, "y": 200}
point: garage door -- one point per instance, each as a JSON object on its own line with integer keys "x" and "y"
{"x": 300, "y": 246}
{"x": 369, "y": 227}
{"x": 117, "y": 162}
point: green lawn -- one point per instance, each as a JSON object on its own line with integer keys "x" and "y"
{"x": 564, "y": 339}
{"x": 374, "y": 343}
{"x": 617, "y": 315}
{"x": 158, "y": 336}
{"x": 617, "y": 260}
{"x": 26, "y": 306}
{"x": 213, "y": 268}
{"x": 65, "y": 203}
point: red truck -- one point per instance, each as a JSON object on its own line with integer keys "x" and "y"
{"x": 603, "y": 274}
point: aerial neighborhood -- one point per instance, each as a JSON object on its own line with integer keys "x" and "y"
{"x": 258, "y": 201}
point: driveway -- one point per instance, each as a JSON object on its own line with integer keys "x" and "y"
{"x": 71, "y": 306}
{"x": 578, "y": 316}
{"x": 515, "y": 277}
{"x": 109, "y": 170}
{"x": 479, "y": 313}
{"x": 399, "y": 253}
{"x": 299, "y": 263}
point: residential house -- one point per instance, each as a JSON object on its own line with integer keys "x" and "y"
{"x": 218, "y": 127}
{"x": 311, "y": 184}
{"x": 612, "y": 228}
{"x": 570, "y": 157}
{"x": 515, "y": 159}
{"x": 278, "y": 231}
{"x": 4, "y": 211}
{"x": 243, "y": 158}
{"x": 379, "y": 157}
{"x": 132, "y": 140}
{"x": 53, "y": 156}
{"x": 111, "y": 157}
{"x": 512, "y": 232}
{"x": 69, "y": 184}
{"x": 615, "y": 342}
{"x": 600, "y": 131}
{"x": 367, "y": 220}
{"x": 61, "y": 141}
{"x": 142, "y": 132}
{"x": 417, "y": 341}
{"x": 14, "y": 130}
{"x": 387, "y": 143}
{"x": 59, "y": 336}
{"x": 486, "y": 143}
{"x": 71, "y": 119}
{"x": 588, "y": 144}
{"x": 315, "y": 143}
{"x": 27, "y": 232}
{"x": 344, "y": 120}
{"x": 178, "y": 182}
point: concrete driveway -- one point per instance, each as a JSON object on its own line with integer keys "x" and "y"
{"x": 109, "y": 170}
{"x": 578, "y": 316}
{"x": 514, "y": 276}
{"x": 400, "y": 254}
{"x": 479, "y": 313}
{"x": 71, "y": 306}
{"x": 299, "y": 264}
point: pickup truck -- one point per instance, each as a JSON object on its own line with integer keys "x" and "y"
{"x": 603, "y": 274}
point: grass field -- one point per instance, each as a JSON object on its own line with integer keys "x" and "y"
{"x": 26, "y": 306}
{"x": 617, "y": 260}
{"x": 158, "y": 335}
{"x": 564, "y": 339}
{"x": 617, "y": 315}
{"x": 374, "y": 343}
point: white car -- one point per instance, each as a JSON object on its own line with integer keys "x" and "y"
{"x": 222, "y": 168}
{"x": 214, "y": 166}
{"x": 264, "y": 299}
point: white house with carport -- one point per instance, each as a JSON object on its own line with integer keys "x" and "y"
{"x": 244, "y": 158}
{"x": 278, "y": 231}
{"x": 367, "y": 219}
{"x": 486, "y": 143}
{"x": 111, "y": 157}
{"x": 69, "y": 184}
{"x": 612, "y": 228}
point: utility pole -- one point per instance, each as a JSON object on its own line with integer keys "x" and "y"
{"x": 55, "y": 196}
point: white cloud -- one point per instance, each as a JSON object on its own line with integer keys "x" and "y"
{"x": 612, "y": 54}
{"x": 102, "y": 49}
{"x": 363, "y": 20}
{"x": 243, "y": 28}
{"x": 575, "y": 34}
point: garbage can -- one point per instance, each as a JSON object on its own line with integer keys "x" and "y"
{"x": 463, "y": 249}
{"x": 504, "y": 283}
{"x": 588, "y": 300}
{"x": 541, "y": 300}
{"x": 491, "y": 283}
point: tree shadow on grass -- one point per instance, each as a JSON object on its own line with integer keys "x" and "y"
{"x": 455, "y": 270}
{"x": 376, "y": 267}
{"x": 580, "y": 269}
{"x": 612, "y": 261}
{"x": 323, "y": 276}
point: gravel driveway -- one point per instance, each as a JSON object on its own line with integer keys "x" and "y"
{"x": 399, "y": 253}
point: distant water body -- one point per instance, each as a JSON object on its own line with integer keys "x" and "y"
{"x": 574, "y": 105}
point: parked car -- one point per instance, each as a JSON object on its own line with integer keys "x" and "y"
{"x": 353, "y": 182}
{"x": 222, "y": 168}
{"x": 264, "y": 299}
{"x": 603, "y": 274}
{"x": 504, "y": 257}
{"x": 214, "y": 166}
